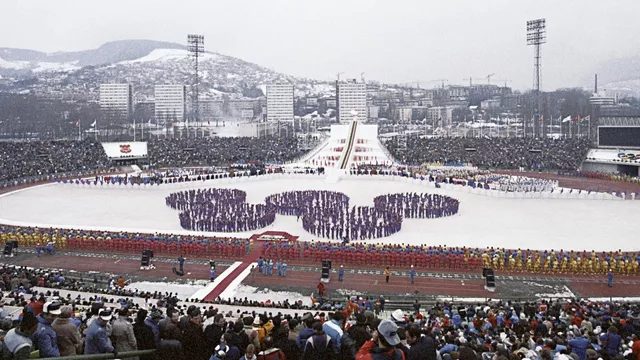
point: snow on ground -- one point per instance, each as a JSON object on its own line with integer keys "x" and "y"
{"x": 183, "y": 291}
{"x": 482, "y": 221}
{"x": 566, "y": 293}
{"x": 54, "y": 66}
{"x": 167, "y": 55}
{"x": 257, "y": 294}
{"x": 141, "y": 301}
{"x": 17, "y": 65}
{"x": 234, "y": 129}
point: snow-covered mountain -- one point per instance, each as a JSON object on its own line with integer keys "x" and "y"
{"x": 142, "y": 63}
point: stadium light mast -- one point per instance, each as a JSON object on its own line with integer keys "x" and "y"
{"x": 196, "y": 48}
{"x": 536, "y": 36}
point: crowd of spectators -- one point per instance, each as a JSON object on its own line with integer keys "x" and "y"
{"x": 603, "y": 176}
{"x": 22, "y": 159}
{"x": 222, "y": 151}
{"x": 500, "y": 153}
{"x": 359, "y": 329}
{"x": 26, "y": 159}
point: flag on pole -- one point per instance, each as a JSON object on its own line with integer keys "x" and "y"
{"x": 586, "y": 118}
{"x": 78, "y": 123}
{"x": 567, "y": 119}
{"x": 149, "y": 122}
{"x": 94, "y": 123}
{"x": 576, "y": 118}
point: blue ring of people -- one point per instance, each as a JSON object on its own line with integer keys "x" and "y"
{"x": 323, "y": 213}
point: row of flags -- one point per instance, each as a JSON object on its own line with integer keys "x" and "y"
{"x": 569, "y": 119}
{"x": 156, "y": 123}
{"x": 576, "y": 118}
{"x": 92, "y": 125}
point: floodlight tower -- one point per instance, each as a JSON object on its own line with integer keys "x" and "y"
{"x": 196, "y": 48}
{"x": 536, "y": 36}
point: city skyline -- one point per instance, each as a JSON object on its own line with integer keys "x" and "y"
{"x": 403, "y": 42}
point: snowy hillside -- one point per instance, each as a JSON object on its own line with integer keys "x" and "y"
{"x": 37, "y": 66}
{"x": 143, "y": 64}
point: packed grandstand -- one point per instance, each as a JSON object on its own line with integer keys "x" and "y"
{"x": 59, "y": 313}
{"x": 24, "y": 159}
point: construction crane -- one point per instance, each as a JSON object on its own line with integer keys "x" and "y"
{"x": 489, "y": 78}
{"x": 471, "y": 80}
{"x": 439, "y": 80}
{"x": 338, "y": 75}
{"x": 417, "y": 83}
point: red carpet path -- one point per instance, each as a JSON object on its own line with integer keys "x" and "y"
{"x": 246, "y": 262}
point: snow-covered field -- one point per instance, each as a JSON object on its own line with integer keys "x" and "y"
{"x": 482, "y": 221}
{"x": 183, "y": 291}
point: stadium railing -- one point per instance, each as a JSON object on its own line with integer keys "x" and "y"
{"x": 122, "y": 355}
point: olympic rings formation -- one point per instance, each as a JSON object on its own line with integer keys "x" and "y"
{"x": 323, "y": 213}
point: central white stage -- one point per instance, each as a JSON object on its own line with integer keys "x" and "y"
{"x": 349, "y": 146}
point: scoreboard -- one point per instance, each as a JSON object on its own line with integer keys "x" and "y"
{"x": 619, "y": 136}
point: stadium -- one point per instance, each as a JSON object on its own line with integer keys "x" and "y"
{"x": 347, "y": 221}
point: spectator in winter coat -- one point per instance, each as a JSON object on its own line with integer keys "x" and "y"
{"x": 170, "y": 336}
{"x": 68, "y": 335}
{"x": 122, "y": 333}
{"x": 333, "y": 329}
{"x": 281, "y": 341}
{"x": 45, "y": 337}
{"x": 306, "y": 332}
{"x": 250, "y": 353}
{"x": 359, "y": 331}
{"x": 194, "y": 343}
{"x": 319, "y": 346}
{"x": 232, "y": 352}
{"x": 293, "y": 329}
{"x": 170, "y": 326}
{"x": 97, "y": 340}
{"x": 241, "y": 339}
{"x": 152, "y": 321}
{"x": 611, "y": 341}
{"x": 144, "y": 335}
{"x": 635, "y": 347}
{"x": 270, "y": 352}
{"x": 449, "y": 347}
{"x": 17, "y": 342}
{"x": 579, "y": 346}
{"x": 213, "y": 333}
{"x": 382, "y": 344}
{"x": 252, "y": 333}
{"x": 422, "y": 347}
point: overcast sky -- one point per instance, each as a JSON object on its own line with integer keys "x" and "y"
{"x": 391, "y": 41}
